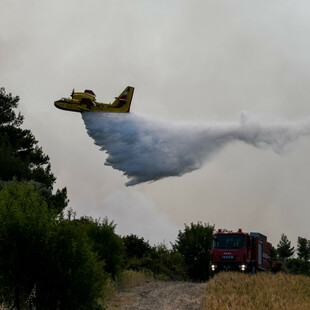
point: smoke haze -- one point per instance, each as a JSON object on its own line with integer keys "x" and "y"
{"x": 147, "y": 149}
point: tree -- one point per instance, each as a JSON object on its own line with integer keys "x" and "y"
{"x": 137, "y": 253}
{"x": 72, "y": 275}
{"x": 303, "y": 248}
{"x": 20, "y": 156}
{"x": 194, "y": 244}
{"x": 163, "y": 263}
{"x": 25, "y": 223}
{"x": 166, "y": 264}
{"x": 8, "y": 116}
{"x": 136, "y": 247}
{"x": 273, "y": 255}
{"x": 284, "y": 248}
{"x": 105, "y": 242}
{"x": 298, "y": 266}
{"x": 44, "y": 253}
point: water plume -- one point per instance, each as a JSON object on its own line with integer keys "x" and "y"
{"x": 148, "y": 149}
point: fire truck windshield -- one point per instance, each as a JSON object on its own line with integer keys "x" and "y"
{"x": 228, "y": 241}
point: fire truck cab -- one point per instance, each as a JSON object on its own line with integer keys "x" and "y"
{"x": 240, "y": 251}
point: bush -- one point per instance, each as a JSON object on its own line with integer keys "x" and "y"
{"x": 164, "y": 263}
{"x": 73, "y": 276}
{"x": 194, "y": 244}
{"x": 298, "y": 266}
{"x": 42, "y": 254}
{"x": 108, "y": 245}
{"x": 25, "y": 224}
{"x": 136, "y": 247}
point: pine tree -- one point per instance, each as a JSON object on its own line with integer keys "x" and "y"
{"x": 303, "y": 248}
{"x": 20, "y": 156}
{"x": 284, "y": 248}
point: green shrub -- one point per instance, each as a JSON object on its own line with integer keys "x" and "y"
{"x": 194, "y": 244}
{"x": 44, "y": 254}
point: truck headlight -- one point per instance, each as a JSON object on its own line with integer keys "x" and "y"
{"x": 242, "y": 267}
{"x": 213, "y": 267}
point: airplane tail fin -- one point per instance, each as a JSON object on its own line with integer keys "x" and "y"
{"x": 123, "y": 101}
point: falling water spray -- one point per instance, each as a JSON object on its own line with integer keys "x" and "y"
{"x": 148, "y": 149}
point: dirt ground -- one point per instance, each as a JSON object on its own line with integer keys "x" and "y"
{"x": 160, "y": 296}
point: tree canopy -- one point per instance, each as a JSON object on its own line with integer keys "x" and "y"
{"x": 46, "y": 254}
{"x": 284, "y": 248}
{"x": 194, "y": 244}
{"x": 24, "y": 224}
{"x": 20, "y": 156}
{"x": 105, "y": 243}
{"x": 303, "y": 248}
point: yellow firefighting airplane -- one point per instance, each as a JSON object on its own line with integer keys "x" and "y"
{"x": 86, "y": 102}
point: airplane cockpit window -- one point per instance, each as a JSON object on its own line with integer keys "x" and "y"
{"x": 90, "y": 92}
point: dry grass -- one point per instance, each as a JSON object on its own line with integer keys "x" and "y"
{"x": 127, "y": 280}
{"x": 236, "y": 291}
{"x": 115, "y": 292}
{"x": 130, "y": 278}
{"x": 160, "y": 295}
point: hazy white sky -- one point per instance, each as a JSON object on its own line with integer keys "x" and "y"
{"x": 195, "y": 61}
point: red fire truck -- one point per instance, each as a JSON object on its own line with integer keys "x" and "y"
{"x": 241, "y": 251}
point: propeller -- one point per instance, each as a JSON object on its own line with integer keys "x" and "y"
{"x": 72, "y": 93}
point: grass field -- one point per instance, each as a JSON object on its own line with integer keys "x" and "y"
{"x": 227, "y": 291}
{"x": 130, "y": 278}
{"x": 262, "y": 291}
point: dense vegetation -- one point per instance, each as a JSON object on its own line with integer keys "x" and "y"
{"x": 20, "y": 156}
{"x": 51, "y": 260}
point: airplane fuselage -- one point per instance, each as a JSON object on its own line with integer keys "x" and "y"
{"x": 86, "y": 102}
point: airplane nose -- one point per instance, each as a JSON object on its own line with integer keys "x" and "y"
{"x": 57, "y": 104}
